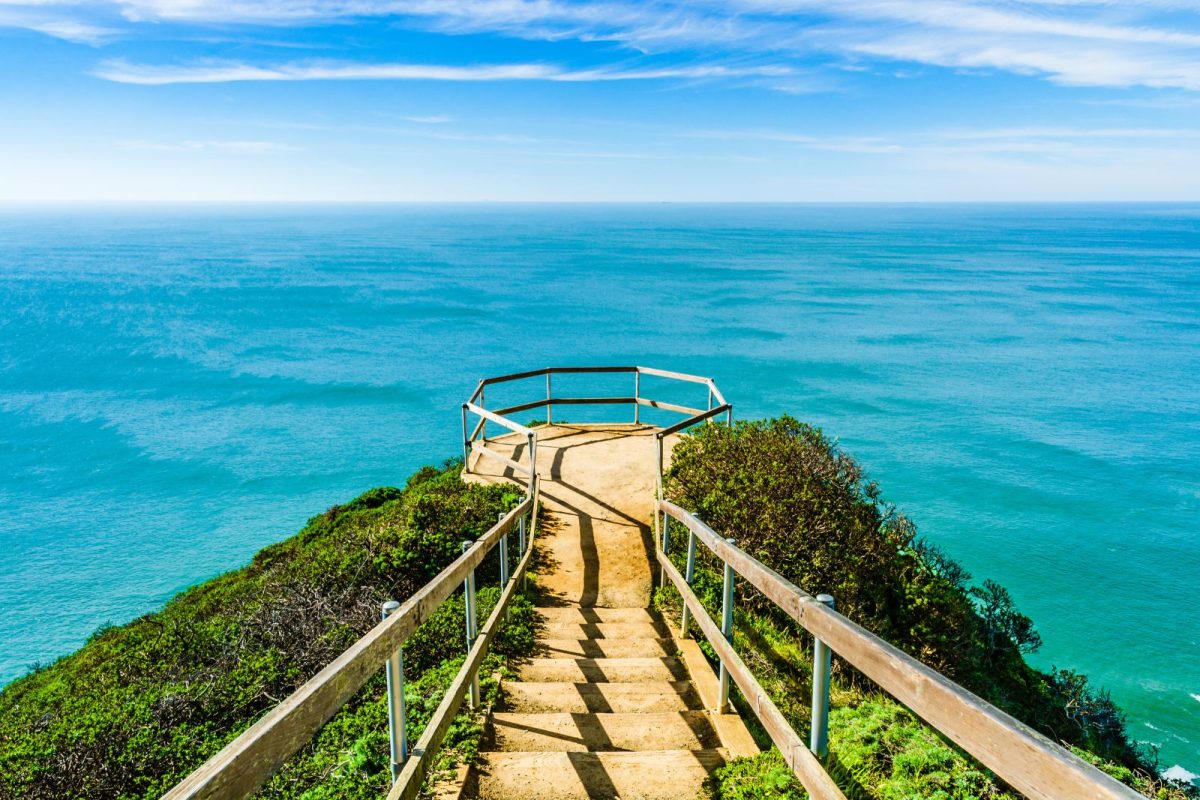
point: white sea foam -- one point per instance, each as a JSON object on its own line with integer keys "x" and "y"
{"x": 1196, "y": 697}
{"x": 1178, "y": 773}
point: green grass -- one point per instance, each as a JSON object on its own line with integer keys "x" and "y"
{"x": 141, "y": 705}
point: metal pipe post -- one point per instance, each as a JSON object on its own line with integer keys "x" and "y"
{"x": 637, "y": 395}
{"x": 666, "y": 546}
{"x": 397, "y": 733}
{"x": 466, "y": 442}
{"x": 521, "y": 548}
{"x": 729, "y": 417}
{"x": 503, "y": 560}
{"x": 819, "y": 739}
{"x": 549, "y": 408}
{"x": 472, "y": 620}
{"x": 659, "y": 446}
{"x": 689, "y": 575}
{"x": 532, "y": 440}
{"x": 727, "y": 632}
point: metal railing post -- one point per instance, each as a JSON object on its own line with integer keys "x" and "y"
{"x": 472, "y": 621}
{"x": 397, "y": 722}
{"x": 659, "y": 471}
{"x": 549, "y": 408}
{"x": 727, "y": 632}
{"x": 521, "y": 547}
{"x": 503, "y": 560}
{"x": 532, "y": 440}
{"x": 637, "y": 396}
{"x": 466, "y": 442}
{"x": 658, "y": 486}
{"x": 729, "y": 417}
{"x": 666, "y": 547}
{"x": 689, "y": 576}
{"x": 483, "y": 427}
{"x": 819, "y": 738}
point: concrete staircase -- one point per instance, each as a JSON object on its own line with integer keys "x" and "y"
{"x": 611, "y": 705}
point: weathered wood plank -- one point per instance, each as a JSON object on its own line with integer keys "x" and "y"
{"x": 499, "y": 420}
{"x": 804, "y": 765}
{"x": 642, "y": 401}
{"x": 1024, "y": 758}
{"x": 675, "y": 376}
{"x": 412, "y": 775}
{"x": 690, "y": 421}
{"x": 517, "y": 465}
{"x": 244, "y": 764}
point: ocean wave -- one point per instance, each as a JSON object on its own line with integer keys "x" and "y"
{"x": 1178, "y": 773}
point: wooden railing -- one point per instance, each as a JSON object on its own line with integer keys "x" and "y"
{"x": 1023, "y": 758}
{"x": 243, "y": 765}
{"x": 475, "y": 440}
{"x": 1019, "y": 755}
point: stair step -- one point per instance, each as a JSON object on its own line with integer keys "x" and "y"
{"x": 602, "y": 670}
{"x": 604, "y": 630}
{"x": 606, "y": 648}
{"x": 595, "y": 614}
{"x": 580, "y": 698}
{"x": 668, "y": 730}
{"x": 648, "y": 775}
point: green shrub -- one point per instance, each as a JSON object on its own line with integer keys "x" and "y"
{"x": 143, "y": 704}
{"x": 795, "y": 501}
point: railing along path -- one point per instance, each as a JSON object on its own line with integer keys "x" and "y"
{"x": 1028, "y": 761}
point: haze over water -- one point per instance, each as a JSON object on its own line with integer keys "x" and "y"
{"x": 181, "y": 386}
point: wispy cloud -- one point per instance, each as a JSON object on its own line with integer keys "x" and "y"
{"x": 1153, "y": 43}
{"x": 121, "y": 71}
{"x": 241, "y": 148}
{"x": 1076, "y": 143}
{"x": 1076, "y": 42}
{"x": 432, "y": 119}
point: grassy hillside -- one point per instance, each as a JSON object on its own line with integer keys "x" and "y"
{"x": 798, "y": 503}
{"x": 141, "y": 705}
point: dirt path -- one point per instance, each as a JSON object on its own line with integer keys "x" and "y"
{"x": 612, "y": 705}
{"x": 598, "y": 488}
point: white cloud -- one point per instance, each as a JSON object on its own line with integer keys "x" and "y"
{"x": 72, "y": 31}
{"x": 121, "y": 71}
{"x": 241, "y": 148}
{"x": 432, "y": 119}
{"x": 1153, "y": 43}
{"x": 1066, "y": 143}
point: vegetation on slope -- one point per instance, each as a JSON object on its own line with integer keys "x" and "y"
{"x": 143, "y": 704}
{"x": 798, "y": 503}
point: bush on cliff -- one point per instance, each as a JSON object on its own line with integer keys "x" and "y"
{"x": 143, "y": 704}
{"x": 798, "y": 503}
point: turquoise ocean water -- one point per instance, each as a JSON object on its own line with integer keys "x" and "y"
{"x": 182, "y": 386}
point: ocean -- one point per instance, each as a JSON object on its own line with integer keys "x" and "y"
{"x": 180, "y": 386}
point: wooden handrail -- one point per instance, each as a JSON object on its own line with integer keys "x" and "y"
{"x": 516, "y": 465}
{"x": 799, "y": 758}
{"x": 408, "y": 784}
{"x": 1022, "y": 757}
{"x": 690, "y": 421}
{"x": 243, "y": 765}
{"x": 675, "y": 376}
{"x": 491, "y": 416}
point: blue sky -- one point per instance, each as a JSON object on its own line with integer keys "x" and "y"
{"x": 751, "y": 100}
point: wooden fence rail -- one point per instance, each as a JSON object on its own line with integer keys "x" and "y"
{"x": 244, "y": 764}
{"x": 1022, "y": 757}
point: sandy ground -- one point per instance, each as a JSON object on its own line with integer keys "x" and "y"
{"x": 598, "y": 486}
